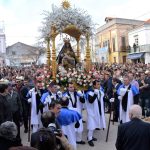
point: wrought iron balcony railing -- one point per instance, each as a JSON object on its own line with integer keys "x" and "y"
{"x": 140, "y": 48}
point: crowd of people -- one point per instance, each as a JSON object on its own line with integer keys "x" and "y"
{"x": 55, "y": 117}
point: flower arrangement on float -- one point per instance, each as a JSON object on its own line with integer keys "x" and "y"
{"x": 81, "y": 79}
{"x": 43, "y": 77}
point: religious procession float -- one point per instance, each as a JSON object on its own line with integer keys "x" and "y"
{"x": 67, "y": 66}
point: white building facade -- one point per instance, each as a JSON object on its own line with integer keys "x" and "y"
{"x": 139, "y": 40}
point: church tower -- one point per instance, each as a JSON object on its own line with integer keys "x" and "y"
{"x": 2, "y": 39}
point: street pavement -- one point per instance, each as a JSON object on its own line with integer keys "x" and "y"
{"x": 100, "y": 144}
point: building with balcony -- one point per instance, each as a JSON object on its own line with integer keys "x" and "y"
{"x": 112, "y": 39}
{"x": 139, "y": 40}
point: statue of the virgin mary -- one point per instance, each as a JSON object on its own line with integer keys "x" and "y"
{"x": 67, "y": 57}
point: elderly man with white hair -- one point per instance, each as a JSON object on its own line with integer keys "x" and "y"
{"x": 134, "y": 135}
{"x": 8, "y": 133}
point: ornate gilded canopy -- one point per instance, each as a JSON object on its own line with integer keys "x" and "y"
{"x": 72, "y": 21}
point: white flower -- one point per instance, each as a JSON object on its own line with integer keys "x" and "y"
{"x": 84, "y": 85}
{"x": 70, "y": 79}
{"x": 68, "y": 75}
{"x": 42, "y": 76}
{"x": 58, "y": 87}
{"x": 57, "y": 75}
{"x": 65, "y": 78}
{"x": 84, "y": 81}
{"x": 61, "y": 79}
{"x": 89, "y": 76}
{"x": 80, "y": 83}
{"x": 90, "y": 84}
{"x": 78, "y": 79}
{"x": 57, "y": 81}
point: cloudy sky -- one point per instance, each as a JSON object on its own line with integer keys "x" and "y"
{"x": 22, "y": 18}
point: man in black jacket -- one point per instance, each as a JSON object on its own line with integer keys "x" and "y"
{"x": 16, "y": 106}
{"x": 25, "y": 105}
{"x": 108, "y": 90}
{"x": 134, "y": 135}
{"x": 5, "y": 106}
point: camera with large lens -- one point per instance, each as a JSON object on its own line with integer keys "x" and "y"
{"x": 57, "y": 132}
{"x": 54, "y": 130}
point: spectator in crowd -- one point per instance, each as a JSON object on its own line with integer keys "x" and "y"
{"x": 26, "y": 106}
{"x": 8, "y": 133}
{"x": 134, "y": 135}
{"x": 116, "y": 85}
{"x": 5, "y": 107}
{"x": 132, "y": 80}
{"x": 108, "y": 90}
{"x": 16, "y": 106}
{"x": 144, "y": 94}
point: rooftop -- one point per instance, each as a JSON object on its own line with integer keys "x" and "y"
{"x": 112, "y": 21}
{"x": 144, "y": 24}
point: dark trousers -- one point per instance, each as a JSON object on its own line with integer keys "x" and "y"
{"x": 16, "y": 120}
{"x": 116, "y": 110}
{"x": 26, "y": 113}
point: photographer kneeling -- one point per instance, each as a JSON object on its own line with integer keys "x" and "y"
{"x": 49, "y": 137}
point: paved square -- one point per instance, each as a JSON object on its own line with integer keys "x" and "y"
{"x": 99, "y": 134}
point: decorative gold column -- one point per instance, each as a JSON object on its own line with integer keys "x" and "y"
{"x": 48, "y": 51}
{"x": 88, "y": 56}
{"x": 54, "y": 66}
{"x": 78, "y": 49}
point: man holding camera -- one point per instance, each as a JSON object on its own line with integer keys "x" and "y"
{"x": 57, "y": 140}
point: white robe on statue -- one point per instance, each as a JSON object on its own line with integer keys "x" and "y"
{"x": 94, "y": 119}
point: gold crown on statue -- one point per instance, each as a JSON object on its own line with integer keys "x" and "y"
{"x": 66, "y": 40}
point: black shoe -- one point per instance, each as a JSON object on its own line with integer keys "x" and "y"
{"x": 81, "y": 142}
{"x": 94, "y": 139}
{"x": 26, "y": 131}
{"x": 91, "y": 143}
{"x": 97, "y": 129}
